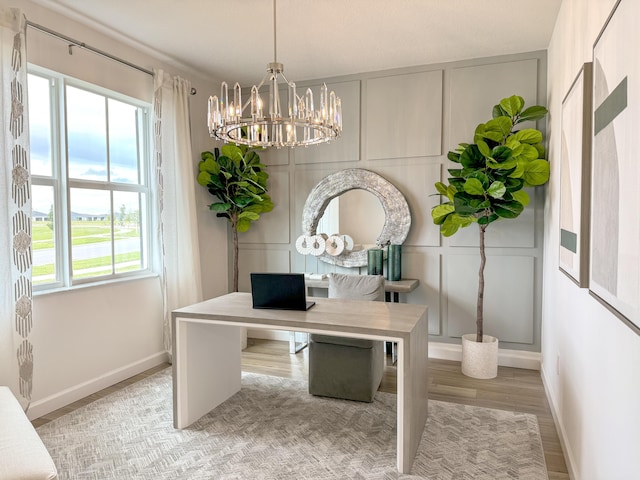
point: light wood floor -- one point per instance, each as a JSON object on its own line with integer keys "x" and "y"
{"x": 514, "y": 389}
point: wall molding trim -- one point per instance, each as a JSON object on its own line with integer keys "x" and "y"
{"x": 82, "y": 390}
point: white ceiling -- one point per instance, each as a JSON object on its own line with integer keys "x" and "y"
{"x": 233, "y": 40}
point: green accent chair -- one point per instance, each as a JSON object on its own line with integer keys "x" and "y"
{"x": 348, "y": 368}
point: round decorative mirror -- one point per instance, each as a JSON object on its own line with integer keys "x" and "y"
{"x": 397, "y": 218}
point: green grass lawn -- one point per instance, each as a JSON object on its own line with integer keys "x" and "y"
{"x": 84, "y": 233}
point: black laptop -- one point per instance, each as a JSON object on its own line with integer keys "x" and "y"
{"x": 283, "y": 291}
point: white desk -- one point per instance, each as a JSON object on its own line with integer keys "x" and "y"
{"x": 206, "y": 353}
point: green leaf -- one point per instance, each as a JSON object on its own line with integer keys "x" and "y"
{"x": 232, "y": 151}
{"x": 480, "y": 176}
{"x": 532, "y": 113}
{"x": 447, "y": 191}
{"x": 207, "y": 155}
{"x": 541, "y": 151}
{"x": 501, "y": 153}
{"x": 267, "y": 204}
{"x": 487, "y": 219}
{"x": 499, "y": 127}
{"x": 473, "y": 186}
{"x": 484, "y": 148}
{"x": 460, "y": 220}
{"x": 464, "y": 204}
{"x": 457, "y": 183}
{"x": 448, "y": 227}
{"x": 518, "y": 171}
{"x": 441, "y": 188}
{"x": 536, "y": 172}
{"x": 248, "y": 215}
{"x": 440, "y": 212}
{"x": 528, "y": 135}
{"x": 472, "y": 158}
{"x": 512, "y": 105}
{"x": 219, "y": 207}
{"x": 513, "y": 184}
{"x": 508, "y": 209}
{"x": 243, "y": 225}
{"x": 224, "y": 162}
{"x": 204, "y": 178}
{"x": 217, "y": 182}
{"x": 497, "y": 190}
{"x": 454, "y": 157}
{"x": 498, "y": 111}
{"x": 209, "y": 165}
{"x": 528, "y": 153}
{"x": 252, "y": 158}
{"x": 506, "y": 165}
{"x": 522, "y": 197}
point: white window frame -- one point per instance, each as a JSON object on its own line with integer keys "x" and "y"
{"x": 62, "y": 184}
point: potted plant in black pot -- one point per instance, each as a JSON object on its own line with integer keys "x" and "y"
{"x": 238, "y": 180}
{"x": 487, "y": 186}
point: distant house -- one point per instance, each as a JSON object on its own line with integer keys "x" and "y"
{"x": 88, "y": 217}
{"x": 39, "y": 216}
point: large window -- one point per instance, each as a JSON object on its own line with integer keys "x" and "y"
{"x": 89, "y": 165}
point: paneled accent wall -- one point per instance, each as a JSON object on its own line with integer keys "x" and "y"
{"x": 401, "y": 124}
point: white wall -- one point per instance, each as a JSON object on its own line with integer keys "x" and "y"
{"x": 88, "y": 338}
{"x": 594, "y": 388}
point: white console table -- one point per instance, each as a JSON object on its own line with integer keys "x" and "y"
{"x": 396, "y": 287}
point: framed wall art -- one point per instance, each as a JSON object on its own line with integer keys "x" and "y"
{"x": 575, "y": 178}
{"x": 615, "y": 166}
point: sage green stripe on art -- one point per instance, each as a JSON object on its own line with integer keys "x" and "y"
{"x": 612, "y": 106}
{"x": 569, "y": 240}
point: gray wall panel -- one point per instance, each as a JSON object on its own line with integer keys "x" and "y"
{"x": 260, "y": 260}
{"x": 404, "y": 115}
{"x": 508, "y": 296}
{"x": 272, "y": 227}
{"x": 347, "y": 147}
{"x": 476, "y": 89}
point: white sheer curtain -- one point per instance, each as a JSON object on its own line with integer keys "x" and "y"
{"x": 16, "y": 357}
{"x": 176, "y": 174}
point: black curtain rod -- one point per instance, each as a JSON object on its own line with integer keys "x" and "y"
{"x": 75, "y": 43}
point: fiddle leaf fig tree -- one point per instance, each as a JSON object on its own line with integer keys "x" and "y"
{"x": 238, "y": 180}
{"x": 488, "y": 184}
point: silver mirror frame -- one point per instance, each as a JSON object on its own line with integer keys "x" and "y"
{"x": 397, "y": 216}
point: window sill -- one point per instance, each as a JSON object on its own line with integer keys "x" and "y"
{"x": 99, "y": 284}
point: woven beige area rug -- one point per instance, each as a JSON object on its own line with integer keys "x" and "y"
{"x": 273, "y": 429}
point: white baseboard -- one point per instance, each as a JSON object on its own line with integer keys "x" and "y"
{"x": 562, "y": 435}
{"x": 506, "y": 358}
{"x": 82, "y": 390}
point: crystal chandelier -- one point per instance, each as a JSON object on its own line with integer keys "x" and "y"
{"x": 254, "y": 125}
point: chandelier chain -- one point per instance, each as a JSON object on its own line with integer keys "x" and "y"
{"x": 275, "y": 45}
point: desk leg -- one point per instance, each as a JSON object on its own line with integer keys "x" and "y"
{"x": 412, "y": 394}
{"x": 206, "y": 368}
